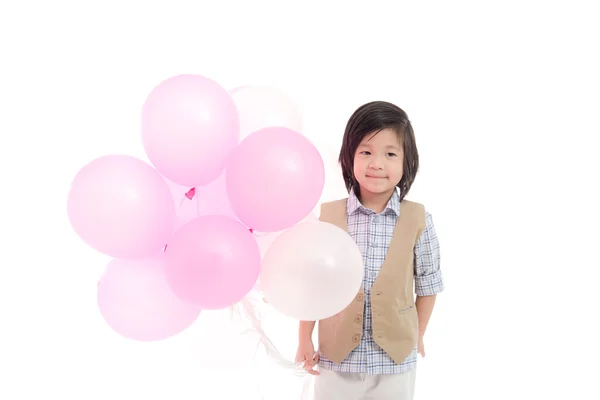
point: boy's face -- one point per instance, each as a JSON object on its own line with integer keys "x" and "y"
{"x": 378, "y": 162}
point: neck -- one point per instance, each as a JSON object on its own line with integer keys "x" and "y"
{"x": 375, "y": 201}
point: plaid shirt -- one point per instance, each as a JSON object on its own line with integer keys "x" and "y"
{"x": 372, "y": 233}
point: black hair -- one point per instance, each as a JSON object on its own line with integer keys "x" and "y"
{"x": 371, "y": 118}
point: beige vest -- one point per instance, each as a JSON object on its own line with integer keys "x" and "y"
{"x": 394, "y": 315}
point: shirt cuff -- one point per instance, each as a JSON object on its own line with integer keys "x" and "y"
{"x": 429, "y": 285}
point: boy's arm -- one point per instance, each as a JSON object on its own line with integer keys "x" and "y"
{"x": 306, "y": 330}
{"x": 424, "y": 306}
{"x": 428, "y": 275}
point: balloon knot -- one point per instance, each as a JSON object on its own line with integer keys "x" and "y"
{"x": 191, "y": 193}
{"x": 165, "y": 249}
{"x": 251, "y": 230}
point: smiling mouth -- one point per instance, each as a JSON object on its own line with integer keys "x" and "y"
{"x": 376, "y": 177}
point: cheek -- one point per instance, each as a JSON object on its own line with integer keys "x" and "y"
{"x": 397, "y": 171}
{"x": 357, "y": 166}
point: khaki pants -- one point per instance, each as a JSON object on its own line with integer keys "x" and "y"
{"x": 332, "y": 385}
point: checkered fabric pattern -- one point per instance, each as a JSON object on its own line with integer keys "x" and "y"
{"x": 372, "y": 233}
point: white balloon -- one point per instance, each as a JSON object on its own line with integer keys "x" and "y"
{"x": 262, "y": 107}
{"x": 312, "y": 271}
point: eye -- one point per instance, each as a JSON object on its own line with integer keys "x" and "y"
{"x": 365, "y": 153}
{"x": 392, "y": 154}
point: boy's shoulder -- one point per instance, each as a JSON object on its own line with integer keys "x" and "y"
{"x": 413, "y": 204}
{"x": 337, "y": 202}
{"x": 333, "y": 204}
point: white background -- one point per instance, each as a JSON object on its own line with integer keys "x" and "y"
{"x": 504, "y": 101}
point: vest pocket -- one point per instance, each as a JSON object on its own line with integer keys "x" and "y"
{"x": 405, "y": 309}
{"x": 407, "y": 322}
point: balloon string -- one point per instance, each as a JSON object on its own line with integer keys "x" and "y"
{"x": 250, "y": 311}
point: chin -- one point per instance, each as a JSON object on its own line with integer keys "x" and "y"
{"x": 376, "y": 189}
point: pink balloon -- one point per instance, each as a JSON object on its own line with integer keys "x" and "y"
{"x": 190, "y": 124}
{"x": 121, "y": 206}
{"x": 212, "y": 261}
{"x": 275, "y": 177}
{"x": 136, "y": 301}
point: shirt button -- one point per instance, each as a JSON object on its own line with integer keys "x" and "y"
{"x": 358, "y": 318}
{"x": 355, "y": 338}
{"x": 359, "y": 297}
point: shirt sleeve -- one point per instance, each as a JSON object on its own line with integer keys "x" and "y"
{"x": 428, "y": 275}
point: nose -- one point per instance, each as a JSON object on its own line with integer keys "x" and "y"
{"x": 376, "y": 163}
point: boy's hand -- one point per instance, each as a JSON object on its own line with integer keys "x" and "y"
{"x": 306, "y": 354}
{"x": 421, "y": 346}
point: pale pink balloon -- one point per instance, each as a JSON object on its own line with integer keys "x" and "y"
{"x": 237, "y": 89}
{"x": 210, "y": 199}
{"x": 190, "y": 124}
{"x": 121, "y": 206}
{"x": 212, "y": 261}
{"x": 275, "y": 177}
{"x": 137, "y": 303}
{"x": 263, "y": 107}
{"x": 312, "y": 271}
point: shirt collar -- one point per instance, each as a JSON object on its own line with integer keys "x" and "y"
{"x": 353, "y": 204}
